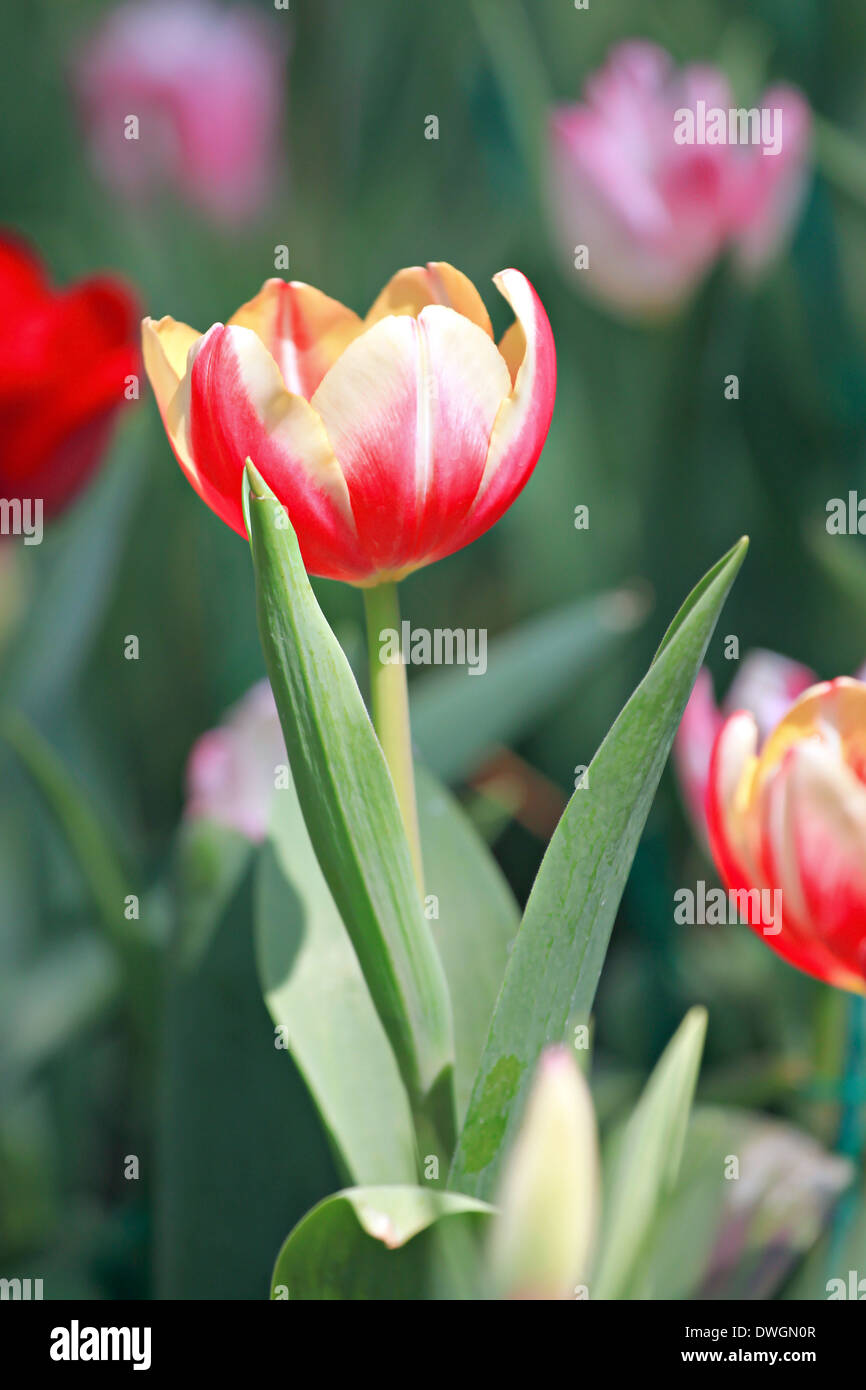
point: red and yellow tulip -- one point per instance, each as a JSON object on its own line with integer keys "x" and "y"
{"x": 791, "y": 816}
{"x": 392, "y": 441}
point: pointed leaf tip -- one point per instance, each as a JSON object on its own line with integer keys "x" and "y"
{"x": 258, "y": 486}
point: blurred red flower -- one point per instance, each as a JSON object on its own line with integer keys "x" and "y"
{"x": 66, "y": 359}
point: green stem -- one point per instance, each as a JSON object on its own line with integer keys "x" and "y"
{"x": 851, "y": 1138}
{"x": 390, "y": 700}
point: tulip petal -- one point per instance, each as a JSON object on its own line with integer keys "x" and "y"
{"x": 523, "y": 420}
{"x": 767, "y": 684}
{"x": 304, "y": 330}
{"x": 835, "y": 710}
{"x": 239, "y": 408}
{"x": 408, "y": 409}
{"x": 693, "y": 746}
{"x": 814, "y": 815}
{"x": 749, "y": 852}
{"x": 169, "y": 350}
{"x": 166, "y": 344}
{"x": 772, "y": 187}
{"x": 412, "y": 289}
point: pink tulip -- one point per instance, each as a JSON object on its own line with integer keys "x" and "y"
{"x": 232, "y": 770}
{"x": 766, "y": 685}
{"x": 655, "y": 214}
{"x": 206, "y": 87}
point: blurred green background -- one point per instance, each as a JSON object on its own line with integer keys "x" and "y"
{"x": 672, "y": 474}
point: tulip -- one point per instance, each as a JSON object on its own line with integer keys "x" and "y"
{"x": 231, "y": 772}
{"x": 655, "y": 214}
{"x": 66, "y": 362}
{"x": 766, "y": 684}
{"x": 549, "y": 1193}
{"x": 790, "y": 817}
{"x": 204, "y": 84}
{"x": 391, "y": 441}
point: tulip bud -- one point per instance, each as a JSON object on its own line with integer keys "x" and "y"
{"x": 549, "y": 1193}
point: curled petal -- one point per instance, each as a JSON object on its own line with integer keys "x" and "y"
{"x": 304, "y": 330}
{"x": 412, "y": 289}
{"x": 166, "y": 344}
{"x": 523, "y": 419}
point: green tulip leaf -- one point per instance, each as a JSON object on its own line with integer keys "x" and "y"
{"x": 382, "y": 1243}
{"x": 648, "y": 1158}
{"x": 554, "y": 968}
{"x": 240, "y": 1151}
{"x": 317, "y": 996}
{"x": 475, "y": 922}
{"x": 350, "y": 807}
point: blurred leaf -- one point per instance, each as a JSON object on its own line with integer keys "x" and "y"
{"x": 315, "y": 991}
{"x": 43, "y": 1007}
{"x": 477, "y": 921}
{"x": 554, "y": 967}
{"x": 843, "y": 560}
{"x": 648, "y": 1158}
{"x": 211, "y": 861}
{"x": 95, "y": 854}
{"x": 349, "y": 805}
{"x": 240, "y": 1150}
{"x": 458, "y": 718}
{"x": 75, "y": 569}
{"x": 380, "y": 1243}
{"x": 513, "y": 51}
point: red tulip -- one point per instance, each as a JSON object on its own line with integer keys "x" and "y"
{"x": 790, "y": 818}
{"x": 65, "y": 360}
{"x": 392, "y": 441}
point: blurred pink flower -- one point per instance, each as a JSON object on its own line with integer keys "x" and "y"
{"x": 654, "y": 213}
{"x": 766, "y": 685}
{"x": 206, "y": 86}
{"x": 232, "y": 770}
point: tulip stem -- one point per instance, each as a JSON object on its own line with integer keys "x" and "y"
{"x": 390, "y": 701}
{"x": 851, "y": 1137}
